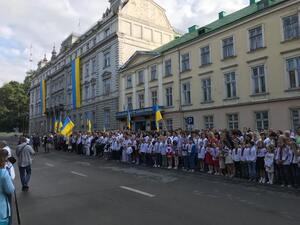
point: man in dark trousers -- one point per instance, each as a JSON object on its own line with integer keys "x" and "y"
{"x": 36, "y": 143}
{"x": 24, "y": 153}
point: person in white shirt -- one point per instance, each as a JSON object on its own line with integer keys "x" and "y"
{"x": 9, "y": 166}
{"x": 251, "y": 160}
{"x": 236, "y": 156}
{"x": 261, "y": 152}
{"x": 244, "y": 164}
{"x": 269, "y": 163}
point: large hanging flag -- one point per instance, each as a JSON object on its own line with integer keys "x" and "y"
{"x": 89, "y": 123}
{"x": 67, "y": 127}
{"x": 55, "y": 124}
{"x": 158, "y": 116}
{"x": 128, "y": 119}
{"x": 43, "y": 96}
{"x": 76, "y": 95}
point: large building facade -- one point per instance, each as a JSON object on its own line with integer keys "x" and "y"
{"x": 241, "y": 71}
{"x": 126, "y": 26}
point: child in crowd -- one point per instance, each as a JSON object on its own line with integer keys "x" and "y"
{"x": 269, "y": 163}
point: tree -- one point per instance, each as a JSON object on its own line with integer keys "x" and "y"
{"x": 14, "y": 105}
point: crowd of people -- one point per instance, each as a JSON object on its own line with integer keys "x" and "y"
{"x": 271, "y": 157}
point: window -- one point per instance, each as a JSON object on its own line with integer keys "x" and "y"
{"x": 93, "y": 65}
{"x": 228, "y": 48}
{"x": 185, "y": 62}
{"x": 208, "y": 122}
{"x": 154, "y": 72}
{"x": 88, "y": 46}
{"x": 87, "y": 69}
{"x": 186, "y": 93}
{"x": 291, "y": 27}
{"x": 69, "y": 99}
{"x": 205, "y": 55}
{"x": 141, "y": 101}
{"x": 106, "y": 86}
{"x": 129, "y": 103}
{"x": 106, "y": 119}
{"x": 258, "y": 79}
{"x": 86, "y": 92}
{"x": 262, "y": 120}
{"x": 206, "y": 87}
{"x": 94, "y": 120}
{"x": 106, "y": 59}
{"x": 293, "y": 70}
{"x": 106, "y": 32}
{"x": 169, "y": 96}
{"x": 129, "y": 81}
{"x": 69, "y": 79}
{"x": 141, "y": 77}
{"x": 233, "y": 121}
{"x": 295, "y": 113}
{"x": 168, "y": 67}
{"x": 93, "y": 90}
{"x": 256, "y": 38}
{"x": 154, "y": 97}
{"x": 169, "y": 124}
{"x": 230, "y": 85}
{"x": 81, "y": 120}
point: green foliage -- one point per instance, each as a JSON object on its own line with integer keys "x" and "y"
{"x": 14, "y": 103}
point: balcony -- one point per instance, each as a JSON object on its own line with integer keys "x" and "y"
{"x": 137, "y": 112}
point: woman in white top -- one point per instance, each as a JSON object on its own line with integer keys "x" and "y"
{"x": 261, "y": 152}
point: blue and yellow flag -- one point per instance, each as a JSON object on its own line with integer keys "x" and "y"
{"x": 67, "y": 127}
{"x": 128, "y": 119}
{"x": 76, "y": 95}
{"x": 55, "y": 125}
{"x": 89, "y": 123}
{"x": 158, "y": 116}
{"x": 43, "y": 96}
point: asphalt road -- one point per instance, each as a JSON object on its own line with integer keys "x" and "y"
{"x": 70, "y": 189}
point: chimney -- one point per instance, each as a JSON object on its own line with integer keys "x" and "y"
{"x": 222, "y": 14}
{"x": 253, "y": 2}
{"x": 193, "y": 28}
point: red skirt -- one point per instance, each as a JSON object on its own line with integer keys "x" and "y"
{"x": 208, "y": 159}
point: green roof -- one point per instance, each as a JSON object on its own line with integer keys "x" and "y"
{"x": 218, "y": 24}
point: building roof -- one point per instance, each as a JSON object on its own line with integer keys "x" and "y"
{"x": 220, "y": 23}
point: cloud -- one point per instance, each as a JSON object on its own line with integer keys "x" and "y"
{"x": 41, "y": 23}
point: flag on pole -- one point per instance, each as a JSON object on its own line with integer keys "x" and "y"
{"x": 128, "y": 119}
{"x": 67, "y": 127}
{"x": 158, "y": 116}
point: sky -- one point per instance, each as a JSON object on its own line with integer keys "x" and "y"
{"x": 43, "y": 23}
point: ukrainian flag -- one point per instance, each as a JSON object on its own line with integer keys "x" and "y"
{"x": 128, "y": 119}
{"x": 43, "y": 96}
{"x": 67, "y": 127}
{"x": 158, "y": 116}
{"x": 55, "y": 125}
{"x": 75, "y": 72}
{"x": 89, "y": 124}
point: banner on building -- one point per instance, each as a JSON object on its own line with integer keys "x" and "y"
{"x": 76, "y": 95}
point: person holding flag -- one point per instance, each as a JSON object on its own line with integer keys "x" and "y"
{"x": 158, "y": 116}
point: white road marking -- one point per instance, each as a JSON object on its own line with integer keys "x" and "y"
{"x": 137, "y": 191}
{"x": 79, "y": 174}
{"x": 49, "y": 164}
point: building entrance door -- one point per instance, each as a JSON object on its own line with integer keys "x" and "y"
{"x": 140, "y": 125}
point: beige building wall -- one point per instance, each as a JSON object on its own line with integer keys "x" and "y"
{"x": 277, "y": 100}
